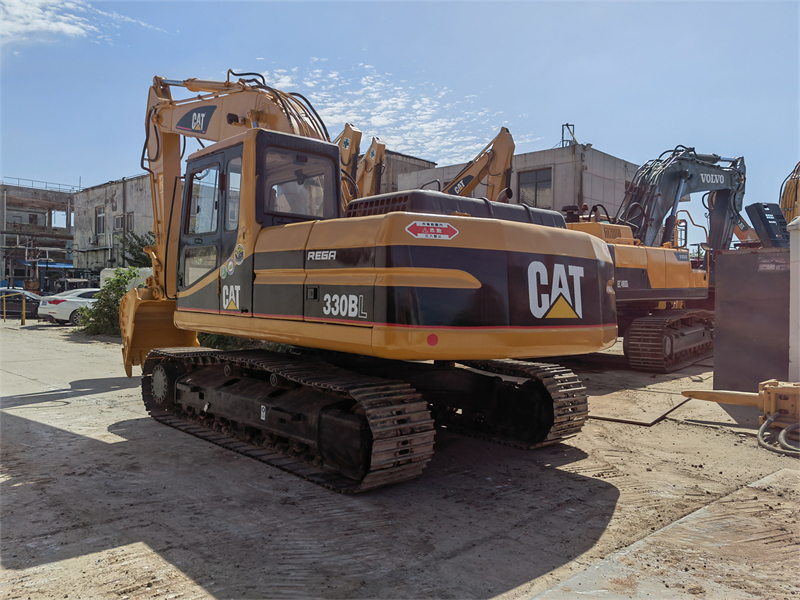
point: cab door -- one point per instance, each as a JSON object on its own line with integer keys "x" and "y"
{"x": 236, "y": 270}
{"x": 199, "y": 259}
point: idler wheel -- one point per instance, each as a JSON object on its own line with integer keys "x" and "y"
{"x": 163, "y": 382}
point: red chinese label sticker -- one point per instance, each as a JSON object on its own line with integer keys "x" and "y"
{"x": 429, "y": 230}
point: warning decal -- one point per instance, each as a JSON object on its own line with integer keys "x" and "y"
{"x": 429, "y": 230}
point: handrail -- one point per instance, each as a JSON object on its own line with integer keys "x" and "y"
{"x": 692, "y": 220}
{"x": 22, "y": 317}
{"x": 42, "y": 185}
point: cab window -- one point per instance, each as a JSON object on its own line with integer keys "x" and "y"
{"x": 233, "y": 191}
{"x": 299, "y": 184}
{"x": 201, "y": 218}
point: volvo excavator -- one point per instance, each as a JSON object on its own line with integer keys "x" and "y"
{"x": 660, "y": 291}
{"x": 411, "y": 311}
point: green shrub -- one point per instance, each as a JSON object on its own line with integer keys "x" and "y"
{"x": 103, "y": 315}
{"x": 132, "y": 248}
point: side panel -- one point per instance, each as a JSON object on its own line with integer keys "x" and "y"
{"x": 644, "y": 274}
{"x": 467, "y": 289}
{"x": 278, "y": 263}
{"x": 340, "y": 264}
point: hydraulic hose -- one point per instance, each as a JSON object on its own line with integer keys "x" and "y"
{"x": 782, "y": 437}
{"x": 785, "y": 448}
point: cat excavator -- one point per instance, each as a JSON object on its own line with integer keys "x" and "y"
{"x": 661, "y": 294}
{"x": 493, "y": 163}
{"x": 411, "y": 310}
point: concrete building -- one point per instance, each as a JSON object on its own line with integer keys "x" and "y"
{"x": 398, "y": 165}
{"x": 104, "y": 214}
{"x": 568, "y": 175}
{"x": 36, "y": 242}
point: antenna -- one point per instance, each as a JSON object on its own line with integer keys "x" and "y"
{"x": 568, "y": 135}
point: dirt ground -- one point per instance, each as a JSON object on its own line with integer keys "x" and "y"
{"x": 100, "y": 501}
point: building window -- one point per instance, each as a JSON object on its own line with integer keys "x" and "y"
{"x": 33, "y": 219}
{"x": 129, "y": 218}
{"x": 100, "y": 220}
{"x": 536, "y": 188}
{"x": 118, "y": 222}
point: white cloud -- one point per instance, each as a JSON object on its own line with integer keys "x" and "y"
{"x": 422, "y": 119}
{"x": 23, "y": 19}
{"x": 38, "y": 20}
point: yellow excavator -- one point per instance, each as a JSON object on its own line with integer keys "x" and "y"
{"x": 410, "y": 310}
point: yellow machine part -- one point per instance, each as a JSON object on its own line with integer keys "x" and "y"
{"x": 147, "y": 323}
{"x": 773, "y": 397}
{"x": 608, "y": 232}
{"x": 790, "y": 195}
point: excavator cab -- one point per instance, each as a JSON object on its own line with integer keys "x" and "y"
{"x": 300, "y": 179}
{"x": 231, "y": 190}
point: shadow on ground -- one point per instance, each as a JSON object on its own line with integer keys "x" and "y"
{"x": 481, "y": 520}
{"x": 76, "y": 389}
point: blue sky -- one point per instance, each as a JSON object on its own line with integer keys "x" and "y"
{"x": 434, "y": 80}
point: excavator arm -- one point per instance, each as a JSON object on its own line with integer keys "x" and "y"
{"x": 651, "y": 202}
{"x": 349, "y": 142}
{"x": 370, "y": 169}
{"x": 492, "y": 163}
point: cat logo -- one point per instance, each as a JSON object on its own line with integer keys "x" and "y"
{"x": 230, "y": 297}
{"x": 563, "y": 300}
{"x": 198, "y": 120}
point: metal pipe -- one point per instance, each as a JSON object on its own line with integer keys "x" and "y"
{"x": 5, "y": 226}
{"x": 124, "y": 222}
{"x": 677, "y": 202}
{"x": 794, "y": 299}
{"x": 720, "y": 397}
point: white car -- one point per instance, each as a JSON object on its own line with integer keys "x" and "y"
{"x": 63, "y": 308}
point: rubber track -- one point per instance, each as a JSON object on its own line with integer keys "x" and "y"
{"x": 570, "y": 401}
{"x": 646, "y": 342}
{"x": 402, "y": 428}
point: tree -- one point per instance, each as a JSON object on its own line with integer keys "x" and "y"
{"x": 103, "y": 315}
{"x": 132, "y": 248}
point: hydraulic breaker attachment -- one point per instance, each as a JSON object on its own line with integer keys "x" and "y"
{"x": 147, "y": 323}
{"x": 773, "y": 397}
